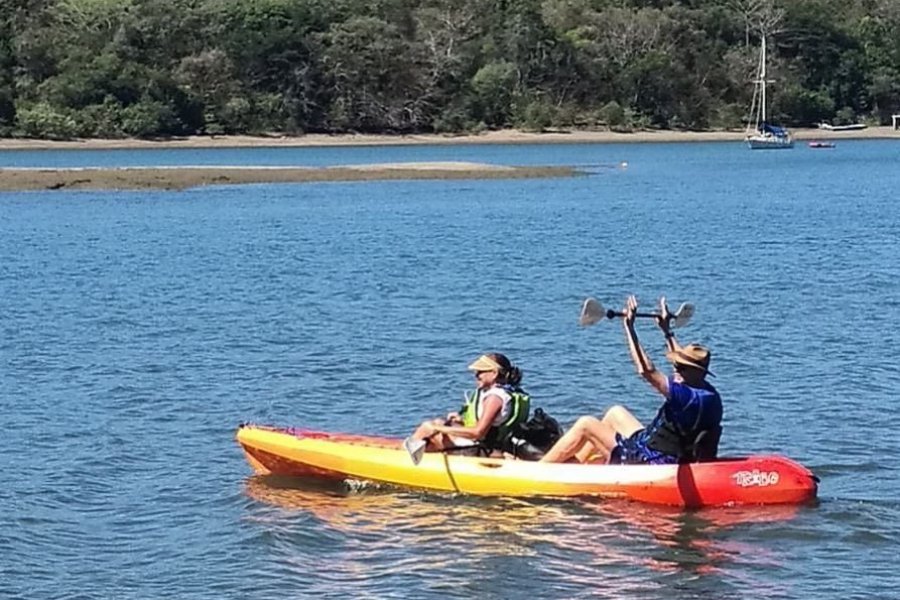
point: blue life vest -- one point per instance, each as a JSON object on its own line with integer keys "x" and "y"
{"x": 691, "y": 441}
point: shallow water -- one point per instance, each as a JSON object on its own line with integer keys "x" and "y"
{"x": 139, "y": 328}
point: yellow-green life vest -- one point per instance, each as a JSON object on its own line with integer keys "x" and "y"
{"x": 497, "y": 434}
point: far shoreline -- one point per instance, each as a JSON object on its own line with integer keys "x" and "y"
{"x": 508, "y": 136}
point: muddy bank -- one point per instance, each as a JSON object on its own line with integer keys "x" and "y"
{"x": 186, "y": 177}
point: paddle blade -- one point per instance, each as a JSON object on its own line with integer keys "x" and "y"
{"x": 591, "y": 312}
{"x": 683, "y": 315}
{"x": 415, "y": 448}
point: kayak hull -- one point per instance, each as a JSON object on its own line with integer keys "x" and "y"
{"x": 766, "y": 479}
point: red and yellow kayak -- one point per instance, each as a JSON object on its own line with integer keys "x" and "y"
{"x": 767, "y": 479}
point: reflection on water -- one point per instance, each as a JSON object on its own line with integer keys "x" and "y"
{"x": 611, "y": 549}
{"x": 495, "y": 524}
{"x": 693, "y": 545}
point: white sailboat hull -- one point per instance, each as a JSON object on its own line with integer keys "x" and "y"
{"x": 769, "y": 142}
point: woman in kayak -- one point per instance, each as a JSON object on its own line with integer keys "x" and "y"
{"x": 490, "y": 412}
{"x": 687, "y": 426}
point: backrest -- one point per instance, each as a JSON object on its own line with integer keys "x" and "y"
{"x": 706, "y": 444}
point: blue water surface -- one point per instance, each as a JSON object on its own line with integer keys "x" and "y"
{"x": 137, "y": 329}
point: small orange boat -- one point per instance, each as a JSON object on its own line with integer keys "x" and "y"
{"x": 749, "y": 480}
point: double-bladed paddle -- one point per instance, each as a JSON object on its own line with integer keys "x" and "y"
{"x": 415, "y": 448}
{"x": 592, "y": 312}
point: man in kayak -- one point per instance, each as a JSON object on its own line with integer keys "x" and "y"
{"x": 687, "y": 426}
{"x": 496, "y": 406}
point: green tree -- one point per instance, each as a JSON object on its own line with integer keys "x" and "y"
{"x": 7, "y": 80}
{"x": 494, "y": 87}
{"x": 372, "y": 71}
{"x": 170, "y": 67}
{"x": 448, "y": 39}
{"x": 276, "y": 51}
{"x": 45, "y": 121}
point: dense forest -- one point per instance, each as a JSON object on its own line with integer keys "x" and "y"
{"x": 151, "y": 68}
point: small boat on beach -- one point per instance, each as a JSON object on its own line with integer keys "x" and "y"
{"x": 821, "y": 144}
{"x": 317, "y": 455}
{"x": 851, "y": 127}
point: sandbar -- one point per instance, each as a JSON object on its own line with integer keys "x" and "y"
{"x": 136, "y": 178}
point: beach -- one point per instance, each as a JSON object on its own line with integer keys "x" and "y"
{"x": 190, "y": 176}
{"x": 507, "y": 136}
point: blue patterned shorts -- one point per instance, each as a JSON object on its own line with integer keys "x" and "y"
{"x": 634, "y": 451}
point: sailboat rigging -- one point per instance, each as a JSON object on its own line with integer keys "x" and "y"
{"x": 764, "y": 135}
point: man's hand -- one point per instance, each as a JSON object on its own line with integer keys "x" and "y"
{"x": 631, "y": 305}
{"x": 665, "y": 317}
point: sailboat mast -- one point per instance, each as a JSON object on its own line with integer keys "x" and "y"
{"x": 767, "y": 136}
{"x": 763, "y": 79}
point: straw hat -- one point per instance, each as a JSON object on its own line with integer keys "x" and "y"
{"x": 692, "y": 355}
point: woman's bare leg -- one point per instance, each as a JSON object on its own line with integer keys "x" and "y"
{"x": 434, "y": 441}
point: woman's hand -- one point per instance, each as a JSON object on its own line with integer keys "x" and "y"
{"x": 453, "y": 418}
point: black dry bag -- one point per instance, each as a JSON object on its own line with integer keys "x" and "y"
{"x": 534, "y": 437}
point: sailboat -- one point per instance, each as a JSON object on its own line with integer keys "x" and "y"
{"x": 764, "y": 135}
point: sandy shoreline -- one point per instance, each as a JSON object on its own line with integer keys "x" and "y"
{"x": 186, "y": 177}
{"x": 491, "y": 137}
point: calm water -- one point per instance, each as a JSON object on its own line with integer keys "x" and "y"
{"x": 139, "y": 328}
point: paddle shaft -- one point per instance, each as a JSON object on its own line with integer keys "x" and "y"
{"x": 610, "y": 314}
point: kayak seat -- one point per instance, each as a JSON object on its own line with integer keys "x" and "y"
{"x": 706, "y": 445}
{"x": 524, "y": 450}
{"x": 474, "y": 449}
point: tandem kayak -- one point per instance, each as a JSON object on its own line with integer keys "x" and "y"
{"x": 764, "y": 479}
